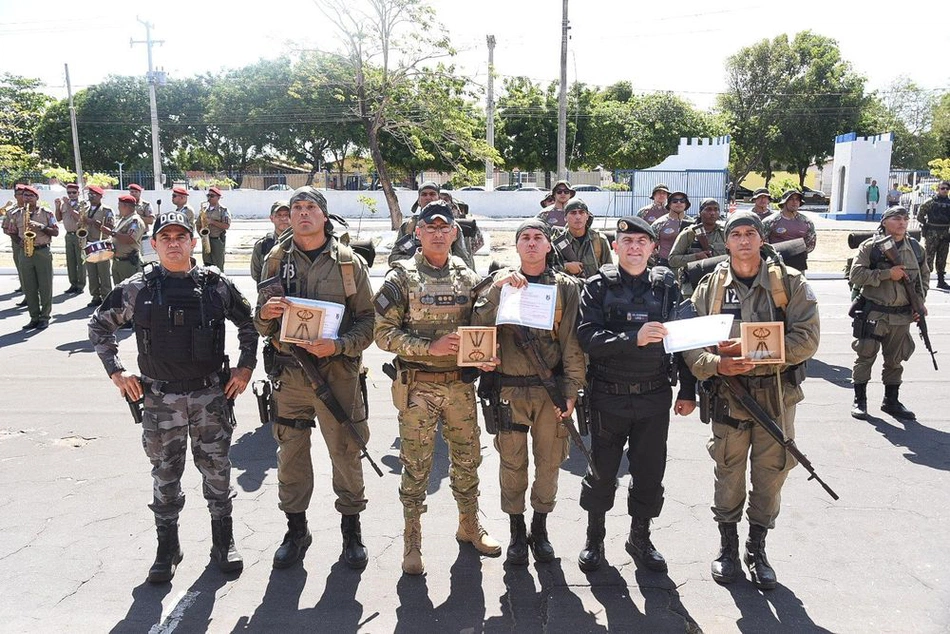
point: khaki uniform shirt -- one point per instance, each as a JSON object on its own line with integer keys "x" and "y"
{"x": 218, "y": 214}
{"x": 42, "y": 215}
{"x": 189, "y": 213}
{"x": 131, "y": 225}
{"x": 144, "y": 209}
{"x": 101, "y": 215}
{"x": 558, "y": 346}
{"x": 876, "y": 284}
{"x": 71, "y": 215}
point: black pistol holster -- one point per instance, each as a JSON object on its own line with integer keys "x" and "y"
{"x": 582, "y": 407}
{"x": 497, "y": 413}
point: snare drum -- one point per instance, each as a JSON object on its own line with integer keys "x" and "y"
{"x": 99, "y": 251}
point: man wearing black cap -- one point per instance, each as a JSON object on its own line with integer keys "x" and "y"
{"x": 658, "y": 207}
{"x": 702, "y": 239}
{"x": 311, "y": 262}
{"x": 885, "y": 311}
{"x": 179, "y": 309}
{"x": 623, "y": 308}
{"x": 406, "y": 244}
{"x": 555, "y": 215}
{"x": 418, "y": 311}
{"x": 762, "y": 203}
{"x": 934, "y": 216}
{"x": 280, "y": 218}
{"x": 789, "y": 224}
{"x": 587, "y": 246}
{"x": 518, "y": 387}
{"x": 753, "y": 286}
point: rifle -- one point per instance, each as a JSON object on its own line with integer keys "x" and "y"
{"x": 529, "y": 344}
{"x": 272, "y": 288}
{"x": 563, "y": 246}
{"x": 703, "y": 239}
{"x": 889, "y": 248}
{"x": 762, "y": 418}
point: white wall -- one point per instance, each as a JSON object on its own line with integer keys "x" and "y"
{"x": 698, "y": 154}
{"x": 862, "y": 159}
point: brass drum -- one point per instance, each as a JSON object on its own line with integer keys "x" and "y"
{"x": 99, "y": 251}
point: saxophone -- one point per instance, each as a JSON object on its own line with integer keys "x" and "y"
{"x": 29, "y": 236}
{"x": 82, "y": 232}
{"x": 203, "y": 230}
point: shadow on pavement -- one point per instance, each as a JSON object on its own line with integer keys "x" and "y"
{"x": 464, "y": 608}
{"x": 255, "y": 454}
{"x": 279, "y": 606}
{"x": 928, "y": 447}
{"x": 840, "y": 376}
{"x": 777, "y": 610}
{"x": 146, "y": 608}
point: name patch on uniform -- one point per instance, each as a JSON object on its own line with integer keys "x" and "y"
{"x": 443, "y": 299}
{"x": 637, "y": 316}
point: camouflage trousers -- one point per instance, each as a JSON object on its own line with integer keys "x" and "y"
{"x": 898, "y": 345}
{"x": 454, "y": 404}
{"x": 732, "y": 449}
{"x": 167, "y": 422}
{"x": 937, "y": 245}
{"x": 530, "y": 406}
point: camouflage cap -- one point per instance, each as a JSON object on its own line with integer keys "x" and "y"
{"x": 533, "y": 223}
{"x": 788, "y": 194}
{"x": 896, "y": 210}
{"x": 575, "y": 203}
{"x": 430, "y": 185}
{"x": 635, "y": 224}
{"x": 565, "y": 184}
{"x": 278, "y": 205}
{"x": 309, "y": 193}
{"x": 678, "y": 193}
{"x": 761, "y": 191}
{"x": 659, "y": 187}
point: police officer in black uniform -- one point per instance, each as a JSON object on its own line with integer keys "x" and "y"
{"x": 178, "y": 310}
{"x": 630, "y": 377}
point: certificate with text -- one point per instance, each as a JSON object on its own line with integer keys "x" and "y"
{"x": 532, "y": 306}
{"x": 698, "y": 332}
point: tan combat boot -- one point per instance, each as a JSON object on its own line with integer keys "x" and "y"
{"x": 412, "y": 563}
{"x": 471, "y": 531}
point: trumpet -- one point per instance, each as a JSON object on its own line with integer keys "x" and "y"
{"x": 203, "y": 230}
{"x": 29, "y": 236}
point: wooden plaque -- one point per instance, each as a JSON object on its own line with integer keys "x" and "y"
{"x": 476, "y": 345}
{"x": 763, "y": 342}
{"x": 301, "y": 323}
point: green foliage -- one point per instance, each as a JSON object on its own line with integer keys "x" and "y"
{"x": 15, "y": 160}
{"x": 102, "y": 180}
{"x": 617, "y": 187}
{"x": 940, "y": 168}
{"x": 21, "y": 108}
{"x": 367, "y": 203}
{"x": 222, "y": 182}
{"x": 62, "y": 174}
{"x": 779, "y": 186}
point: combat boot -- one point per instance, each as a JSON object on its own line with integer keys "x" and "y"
{"x": 517, "y": 554}
{"x": 412, "y": 563}
{"x": 297, "y": 540}
{"x": 354, "y": 552}
{"x": 859, "y": 409}
{"x": 763, "y": 576}
{"x": 470, "y": 531}
{"x": 941, "y": 284}
{"x": 726, "y": 567}
{"x": 893, "y": 406}
{"x": 223, "y": 551}
{"x": 641, "y": 548}
{"x": 593, "y": 554}
{"x": 541, "y": 547}
{"x": 168, "y": 556}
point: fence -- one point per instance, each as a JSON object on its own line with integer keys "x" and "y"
{"x": 697, "y": 184}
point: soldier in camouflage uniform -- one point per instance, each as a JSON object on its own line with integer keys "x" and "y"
{"x": 280, "y": 217}
{"x": 418, "y": 310}
{"x": 179, "y": 310}
{"x": 428, "y": 192}
{"x": 934, "y": 218}
{"x": 99, "y": 273}
{"x": 520, "y": 386}
{"x": 660, "y": 195}
{"x": 127, "y": 240}
{"x": 311, "y": 262}
{"x": 689, "y": 248}
{"x": 69, "y": 211}
{"x": 589, "y": 246}
{"x": 219, "y": 221}
{"x": 142, "y": 207}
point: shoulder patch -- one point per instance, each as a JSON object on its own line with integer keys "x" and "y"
{"x": 388, "y": 296}
{"x": 809, "y": 293}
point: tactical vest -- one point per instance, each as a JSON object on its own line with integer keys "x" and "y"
{"x": 626, "y": 308}
{"x": 179, "y": 326}
{"x": 437, "y": 305}
{"x": 777, "y": 278}
{"x": 939, "y": 212}
{"x": 279, "y": 264}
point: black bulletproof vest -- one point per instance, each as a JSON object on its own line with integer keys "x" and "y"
{"x": 179, "y": 327}
{"x": 939, "y": 211}
{"x": 628, "y": 304}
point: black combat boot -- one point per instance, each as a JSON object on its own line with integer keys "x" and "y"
{"x": 859, "y": 409}
{"x": 641, "y": 548}
{"x": 763, "y": 576}
{"x": 296, "y": 541}
{"x": 893, "y": 406}
{"x": 168, "y": 556}
{"x": 593, "y": 554}
{"x": 726, "y": 567}
{"x": 541, "y": 547}
{"x": 355, "y": 554}
{"x": 941, "y": 284}
{"x": 517, "y": 554}
{"x": 222, "y": 546}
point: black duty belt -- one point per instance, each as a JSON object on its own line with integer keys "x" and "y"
{"x": 40, "y": 246}
{"x": 296, "y": 423}
{"x": 505, "y": 380}
{"x": 892, "y": 310}
{"x": 186, "y": 385}
{"x": 607, "y": 387}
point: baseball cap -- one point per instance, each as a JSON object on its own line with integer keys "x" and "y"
{"x": 170, "y": 218}
{"x": 437, "y": 210}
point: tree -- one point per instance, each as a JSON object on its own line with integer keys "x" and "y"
{"x": 941, "y": 124}
{"x": 396, "y": 84}
{"x": 527, "y": 125}
{"x": 21, "y": 109}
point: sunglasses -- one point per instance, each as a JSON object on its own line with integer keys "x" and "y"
{"x": 943, "y": 189}
{"x": 562, "y": 191}
{"x": 677, "y": 200}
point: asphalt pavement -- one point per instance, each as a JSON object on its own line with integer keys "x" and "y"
{"x": 77, "y": 539}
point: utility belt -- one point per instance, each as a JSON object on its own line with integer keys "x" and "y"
{"x": 890, "y": 310}
{"x": 624, "y": 389}
{"x": 406, "y": 376}
{"x": 37, "y": 247}
{"x": 185, "y": 385}
{"x": 936, "y": 228}
{"x": 713, "y": 407}
{"x": 506, "y": 380}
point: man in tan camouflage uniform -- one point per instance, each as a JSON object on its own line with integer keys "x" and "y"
{"x": 69, "y": 211}
{"x": 312, "y": 263}
{"x": 219, "y": 221}
{"x": 418, "y": 310}
{"x": 179, "y": 310}
{"x": 127, "y": 240}
{"x": 753, "y": 286}
{"x": 934, "y": 217}
{"x": 520, "y": 386}
{"x": 99, "y": 273}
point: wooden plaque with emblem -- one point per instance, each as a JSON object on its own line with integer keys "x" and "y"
{"x": 302, "y": 322}
{"x": 763, "y": 342}
{"x": 476, "y": 345}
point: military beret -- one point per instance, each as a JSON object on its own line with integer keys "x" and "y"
{"x": 29, "y": 189}
{"x": 533, "y": 223}
{"x": 19, "y": 187}
{"x": 437, "y": 210}
{"x": 95, "y": 189}
{"x": 126, "y": 198}
{"x": 278, "y": 205}
{"x": 214, "y": 191}
{"x": 135, "y": 187}
{"x": 635, "y": 224}
{"x": 744, "y": 218}
{"x": 72, "y": 186}
{"x": 181, "y": 191}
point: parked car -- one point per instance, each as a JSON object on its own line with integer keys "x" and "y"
{"x": 278, "y": 187}
{"x": 587, "y": 188}
{"x": 742, "y": 193}
{"x": 472, "y": 188}
{"x": 813, "y": 197}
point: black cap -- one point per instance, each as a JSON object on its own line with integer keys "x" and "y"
{"x": 744, "y": 218}
{"x": 635, "y": 224}
{"x": 437, "y": 210}
{"x": 172, "y": 218}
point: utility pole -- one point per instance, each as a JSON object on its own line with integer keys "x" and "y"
{"x": 153, "y": 78}
{"x": 75, "y": 127}
{"x": 490, "y": 135}
{"x": 121, "y": 182}
{"x": 562, "y": 102}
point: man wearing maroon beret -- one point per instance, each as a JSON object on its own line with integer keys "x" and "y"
{"x": 180, "y": 200}
{"x": 69, "y": 211}
{"x": 142, "y": 207}
{"x": 126, "y": 239}
{"x": 217, "y": 220}
{"x": 95, "y": 218}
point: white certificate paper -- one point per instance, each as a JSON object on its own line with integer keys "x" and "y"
{"x": 332, "y": 316}
{"x": 531, "y": 306}
{"x": 698, "y": 332}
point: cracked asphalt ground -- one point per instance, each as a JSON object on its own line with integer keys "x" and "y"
{"x": 76, "y": 537}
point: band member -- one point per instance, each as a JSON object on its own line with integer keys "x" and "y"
{"x": 69, "y": 211}
{"x": 218, "y": 221}
{"x": 99, "y": 273}
{"x": 127, "y": 240}
{"x": 36, "y": 227}
{"x": 142, "y": 207}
